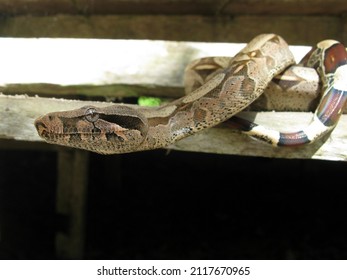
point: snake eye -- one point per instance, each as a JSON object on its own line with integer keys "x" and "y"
{"x": 91, "y": 115}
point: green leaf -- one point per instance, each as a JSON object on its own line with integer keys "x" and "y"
{"x": 149, "y": 101}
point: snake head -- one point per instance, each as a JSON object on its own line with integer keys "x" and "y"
{"x": 107, "y": 130}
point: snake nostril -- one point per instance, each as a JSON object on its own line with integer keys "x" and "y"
{"x": 40, "y": 127}
{"x": 39, "y": 123}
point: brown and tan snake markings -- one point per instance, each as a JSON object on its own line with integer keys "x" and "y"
{"x": 233, "y": 87}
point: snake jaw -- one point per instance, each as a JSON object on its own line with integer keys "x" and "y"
{"x": 93, "y": 137}
{"x": 114, "y": 128}
{"x": 46, "y": 126}
{"x": 41, "y": 128}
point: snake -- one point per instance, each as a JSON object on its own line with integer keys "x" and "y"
{"x": 121, "y": 128}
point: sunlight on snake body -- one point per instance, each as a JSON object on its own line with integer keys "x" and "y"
{"x": 122, "y": 129}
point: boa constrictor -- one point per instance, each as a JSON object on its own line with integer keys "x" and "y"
{"x": 122, "y": 129}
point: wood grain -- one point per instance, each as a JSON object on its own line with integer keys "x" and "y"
{"x": 238, "y": 28}
{"x": 210, "y": 7}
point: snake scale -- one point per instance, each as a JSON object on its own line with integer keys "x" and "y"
{"x": 121, "y": 129}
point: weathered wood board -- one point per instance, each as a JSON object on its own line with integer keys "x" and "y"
{"x": 116, "y": 69}
{"x": 210, "y": 7}
{"x": 95, "y": 62}
{"x": 19, "y": 112}
{"x": 240, "y": 28}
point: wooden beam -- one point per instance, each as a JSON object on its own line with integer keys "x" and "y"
{"x": 138, "y": 67}
{"x": 238, "y": 28}
{"x": 222, "y": 140}
{"x": 211, "y": 7}
{"x": 71, "y": 202}
{"x": 87, "y": 7}
{"x": 18, "y": 113}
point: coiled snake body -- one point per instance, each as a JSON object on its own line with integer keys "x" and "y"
{"x": 122, "y": 129}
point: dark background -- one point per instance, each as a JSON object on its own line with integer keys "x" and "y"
{"x": 180, "y": 205}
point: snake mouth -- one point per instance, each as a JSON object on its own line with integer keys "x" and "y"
{"x": 54, "y": 133}
{"x": 41, "y": 128}
{"x": 44, "y": 132}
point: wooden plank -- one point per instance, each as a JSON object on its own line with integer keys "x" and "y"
{"x": 71, "y": 200}
{"x": 18, "y": 113}
{"x": 151, "y": 68}
{"x": 154, "y": 68}
{"x": 136, "y": 62}
{"x": 238, "y": 29}
{"x": 211, "y": 7}
{"x": 15, "y": 7}
{"x": 222, "y": 140}
{"x": 76, "y": 62}
{"x": 44, "y": 7}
